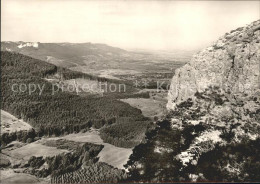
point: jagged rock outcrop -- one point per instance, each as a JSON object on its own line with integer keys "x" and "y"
{"x": 231, "y": 63}
{"x": 212, "y": 130}
{"x": 219, "y": 89}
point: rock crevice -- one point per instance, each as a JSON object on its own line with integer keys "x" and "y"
{"x": 231, "y": 63}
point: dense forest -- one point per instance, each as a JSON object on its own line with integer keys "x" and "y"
{"x": 119, "y": 135}
{"x": 54, "y": 113}
{"x": 104, "y": 173}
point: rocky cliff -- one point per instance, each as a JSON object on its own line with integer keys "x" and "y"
{"x": 212, "y": 129}
{"x": 231, "y": 63}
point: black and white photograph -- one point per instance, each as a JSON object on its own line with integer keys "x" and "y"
{"x": 130, "y": 91}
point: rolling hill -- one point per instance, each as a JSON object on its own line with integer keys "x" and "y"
{"x": 101, "y": 59}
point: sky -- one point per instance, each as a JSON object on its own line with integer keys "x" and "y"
{"x": 129, "y": 24}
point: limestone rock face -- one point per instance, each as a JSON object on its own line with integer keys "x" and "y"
{"x": 231, "y": 63}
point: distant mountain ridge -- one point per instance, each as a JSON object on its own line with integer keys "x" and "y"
{"x": 100, "y": 59}
{"x": 65, "y": 54}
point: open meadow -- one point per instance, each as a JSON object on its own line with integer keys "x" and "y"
{"x": 9, "y": 123}
{"x": 149, "y": 107}
{"x": 110, "y": 154}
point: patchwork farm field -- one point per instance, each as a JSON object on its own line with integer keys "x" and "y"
{"x": 17, "y": 153}
{"x": 35, "y": 149}
{"x": 110, "y": 154}
{"x": 61, "y": 147}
